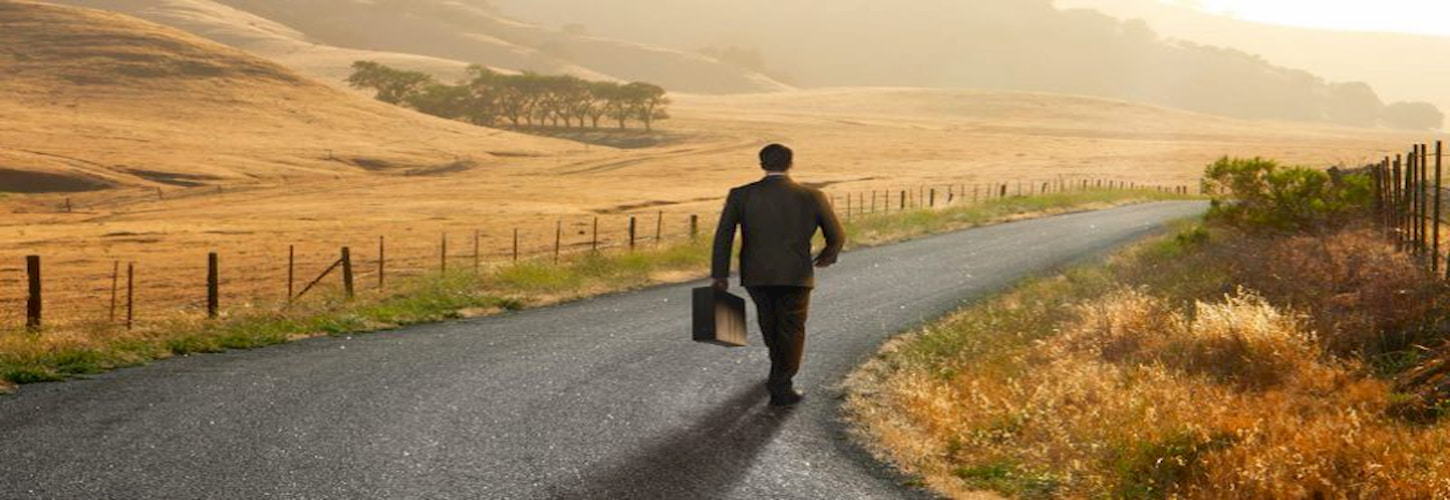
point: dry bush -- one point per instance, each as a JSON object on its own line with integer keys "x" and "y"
{"x": 1244, "y": 341}
{"x": 1364, "y": 296}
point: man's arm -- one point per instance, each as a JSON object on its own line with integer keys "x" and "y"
{"x": 725, "y": 241}
{"x": 833, "y": 231}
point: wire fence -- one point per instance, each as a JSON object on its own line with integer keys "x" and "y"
{"x": 37, "y": 292}
{"x": 1410, "y": 202}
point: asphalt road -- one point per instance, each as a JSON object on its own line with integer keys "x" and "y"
{"x": 605, "y": 398}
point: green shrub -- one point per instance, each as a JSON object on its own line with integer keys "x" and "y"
{"x": 1262, "y": 194}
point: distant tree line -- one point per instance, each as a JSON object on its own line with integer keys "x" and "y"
{"x": 489, "y": 98}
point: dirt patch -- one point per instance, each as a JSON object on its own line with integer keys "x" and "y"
{"x": 826, "y": 184}
{"x": 614, "y": 138}
{"x": 172, "y": 178}
{"x": 371, "y": 164}
{"x": 620, "y": 209}
{"x": 514, "y": 154}
{"x": 445, "y": 169}
{"x": 22, "y": 181}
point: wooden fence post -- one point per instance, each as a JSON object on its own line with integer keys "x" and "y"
{"x": 903, "y": 200}
{"x": 1399, "y": 203}
{"x": 1411, "y": 198}
{"x": 932, "y": 202}
{"x": 1408, "y": 197}
{"x": 291, "y": 270}
{"x": 115, "y": 283}
{"x": 1381, "y": 194}
{"x": 1424, "y": 221}
{"x": 382, "y": 262}
{"x": 558, "y": 239}
{"x": 594, "y": 240}
{"x": 516, "y": 244}
{"x": 477, "y": 235}
{"x": 633, "y": 233}
{"x": 33, "y": 300}
{"x": 130, "y": 295}
{"x": 659, "y": 227}
{"x": 1412, "y": 178}
{"x": 213, "y": 283}
{"x": 1438, "y": 218}
{"x": 694, "y": 227}
{"x": 1392, "y": 192}
{"x": 443, "y": 254}
{"x": 347, "y": 272}
{"x": 873, "y": 201}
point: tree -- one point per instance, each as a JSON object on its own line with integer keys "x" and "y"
{"x": 482, "y": 106}
{"x": 1414, "y": 116}
{"x": 519, "y": 98}
{"x": 619, "y": 105}
{"x": 441, "y": 100}
{"x": 576, "y": 98}
{"x": 393, "y": 86}
{"x": 487, "y": 97}
{"x": 602, "y": 93}
{"x": 648, "y": 103}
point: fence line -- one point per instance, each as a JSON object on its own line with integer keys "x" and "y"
{"x": 1409, "y": 202}
{"x": 586, "y": 236}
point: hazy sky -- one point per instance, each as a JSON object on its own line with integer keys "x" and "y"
{"x": 1412, "y": 16}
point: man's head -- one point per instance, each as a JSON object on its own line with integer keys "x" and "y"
{"x": 776, "y": 158}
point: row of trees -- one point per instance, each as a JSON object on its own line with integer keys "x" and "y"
{"x": 491, "y": 99}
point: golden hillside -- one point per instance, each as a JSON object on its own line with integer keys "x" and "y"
{"x": 93, "y": 99}
{"x": 322, "y": 38}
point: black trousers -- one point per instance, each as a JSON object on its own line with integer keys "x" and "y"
{"x": 783, "y": 311}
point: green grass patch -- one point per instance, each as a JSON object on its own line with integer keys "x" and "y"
{"x": 1009, "y": 478}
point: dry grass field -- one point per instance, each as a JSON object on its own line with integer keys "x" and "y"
{"x": 250, "y": 158}
{"x": 1161, "y": 380}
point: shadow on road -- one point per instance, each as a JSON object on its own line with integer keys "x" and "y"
{"x": 703, "y": 461}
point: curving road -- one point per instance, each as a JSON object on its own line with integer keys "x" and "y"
{"x": 603, "y": 398}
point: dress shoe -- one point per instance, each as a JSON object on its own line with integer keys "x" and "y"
{"x": 787, "y": 398}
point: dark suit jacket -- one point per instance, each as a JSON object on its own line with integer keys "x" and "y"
{"x": 778, "y": 218}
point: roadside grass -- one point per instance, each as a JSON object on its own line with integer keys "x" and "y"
{"x": 89, "y": 348}
{"x": 1162, "y": 373}
{"x": 890, "y": 227}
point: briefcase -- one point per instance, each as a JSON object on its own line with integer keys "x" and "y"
{"x": 719, "y": 317}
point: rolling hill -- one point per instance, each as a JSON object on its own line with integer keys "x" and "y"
{"x": 994, "y": 44}
{"x": 94, "y": 99}
{"x": 1401, "y": 66}
{"x": 270, "y": 39}
{"x": 324, "y": 37}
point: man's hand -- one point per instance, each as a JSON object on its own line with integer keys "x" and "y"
{"x": 823, "y": 261}
{"x": 722, "y": 284}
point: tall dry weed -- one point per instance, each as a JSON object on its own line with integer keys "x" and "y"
{"x": 1242, "y": 340}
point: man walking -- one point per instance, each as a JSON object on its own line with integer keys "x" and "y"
{"x": 777, "y": 218}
